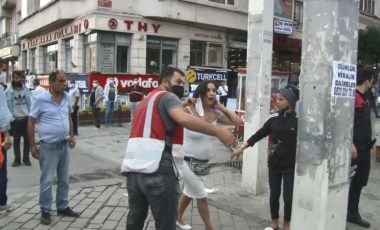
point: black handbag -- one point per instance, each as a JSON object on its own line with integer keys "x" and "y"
{"x": 199, "y": 167}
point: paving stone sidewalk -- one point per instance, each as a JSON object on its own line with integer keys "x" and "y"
{"x": 103, "y": 203}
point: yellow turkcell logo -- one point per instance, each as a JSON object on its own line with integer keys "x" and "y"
{"x": 191, "y": 75}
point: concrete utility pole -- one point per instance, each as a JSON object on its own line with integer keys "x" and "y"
{"x": 258, "y": 92}
{"x": 326, "y": 115}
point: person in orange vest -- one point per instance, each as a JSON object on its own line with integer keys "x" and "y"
{"x": 5, "y": 144}
{"x": 156, "y": 136}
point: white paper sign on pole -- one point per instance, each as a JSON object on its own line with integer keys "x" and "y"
{"x": 344, "y": 79}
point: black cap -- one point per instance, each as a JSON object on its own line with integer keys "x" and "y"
{"x": 291, "y": 93}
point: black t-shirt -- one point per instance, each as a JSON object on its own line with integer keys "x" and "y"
{"x": 92, "y": 96}
{"x": 111, "y": 93}
{"x": 362, "y": 133}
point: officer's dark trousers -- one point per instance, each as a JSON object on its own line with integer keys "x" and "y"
{"x": 360, "y": 178}
{"x": 160, "y": 191}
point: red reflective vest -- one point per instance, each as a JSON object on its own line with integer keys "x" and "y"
{"x": 147, "y": 138}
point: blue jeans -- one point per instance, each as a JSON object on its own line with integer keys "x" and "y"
{"x": 110, "y": 105}
{"x": 159, "y": 191}
{"x": 54, "y": 158}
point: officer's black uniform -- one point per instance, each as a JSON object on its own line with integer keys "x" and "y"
{"x": 362, "y": 138}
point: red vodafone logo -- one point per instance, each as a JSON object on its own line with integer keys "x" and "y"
{"x": 112, "y": 23}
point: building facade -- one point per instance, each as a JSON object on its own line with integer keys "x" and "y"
{"x": 144, "y": 36}
{"x": 126, "y": 37}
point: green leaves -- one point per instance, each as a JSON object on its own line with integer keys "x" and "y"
{"x": 369, "y": 46}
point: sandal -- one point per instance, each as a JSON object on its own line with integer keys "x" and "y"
{"x": 183, "y": 226}
{"x": 271, "y": 228}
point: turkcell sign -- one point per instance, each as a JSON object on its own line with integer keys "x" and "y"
{"x": 283, "y": 27}
{"x": 214, "y": 76}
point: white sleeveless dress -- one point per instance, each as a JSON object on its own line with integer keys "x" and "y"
{"x": 196, "y": 145}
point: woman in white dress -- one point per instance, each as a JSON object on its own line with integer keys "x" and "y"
{"x": 197, "y": 147}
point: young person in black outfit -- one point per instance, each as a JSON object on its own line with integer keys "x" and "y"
{"x": 282, "y": 126}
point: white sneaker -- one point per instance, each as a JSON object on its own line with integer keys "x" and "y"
{"x": 183, "y": 226}
{"x": 5, "y": 208}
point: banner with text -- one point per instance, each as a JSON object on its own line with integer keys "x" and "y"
{"x": 125, "y": 81}
{"x": 344, "y": 79}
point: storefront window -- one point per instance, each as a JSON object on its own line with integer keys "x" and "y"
{"x": 298, "y": 13}
{"x": 114, "y": 52}
{"x": 122, "y": 59}
{"x": 226, "y": 2}
{"x": 90, "y": 52}
{"x": 28, "y": 7}
{"x": 214, "y": 54}
{"x": 107, "y": 58}
{"x": 206, "y": 54}
{"x": 367, "y": 6}
{"x": 160, "y": 53}
{"x": 197, "y": 51}
{"x": 45, "y": 2}
{"x": 33, "y": 70}
{"x": 24, "y": 60}
{"x": 50, "y": 58}
{"x": 237, "y": 58}
{"x": 69, "y": 55}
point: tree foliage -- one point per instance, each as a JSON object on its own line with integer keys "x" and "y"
{"x": 369, "y": 46}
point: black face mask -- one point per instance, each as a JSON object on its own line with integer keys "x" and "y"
{"x": 178, "y": 90}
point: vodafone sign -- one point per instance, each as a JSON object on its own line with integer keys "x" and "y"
{"x": 125, "y": 81}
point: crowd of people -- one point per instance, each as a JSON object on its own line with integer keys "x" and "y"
{"x": 160, "y": 149}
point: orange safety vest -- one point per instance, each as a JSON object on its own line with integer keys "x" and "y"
{"x": 147, "y": 138}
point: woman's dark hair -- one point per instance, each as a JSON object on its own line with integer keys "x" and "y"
{"x": 168, "y": 73}
{"x": 202, "y": 88}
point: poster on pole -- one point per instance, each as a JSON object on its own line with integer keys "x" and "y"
{"x": 344, "y": 79}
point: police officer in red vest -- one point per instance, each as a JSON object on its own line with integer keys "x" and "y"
{"x": 156, "y": 134}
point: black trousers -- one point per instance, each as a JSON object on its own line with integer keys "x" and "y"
{"x": 19, "y": 129}
{"x": 96, "y": 114}
{"x": 223, "y": 100}
{"x": 360, "y": 179}
{"x": 74, "y": 118}
{"x": 275, "y": 179}
{"x": 3, "y": 178}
